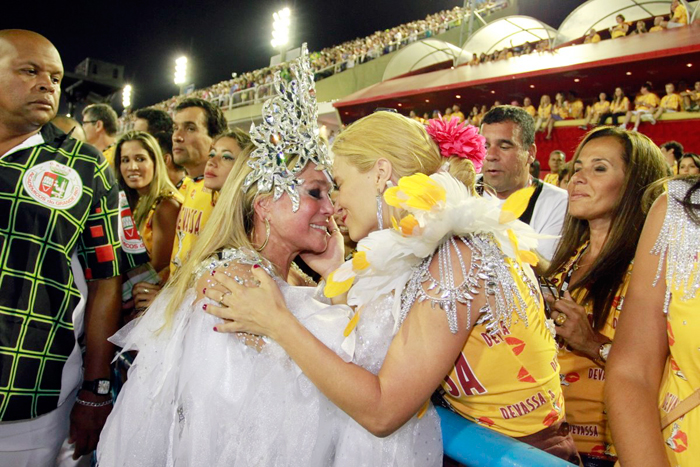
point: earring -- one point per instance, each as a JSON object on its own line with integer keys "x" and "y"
{"x": 380, "y": 213}
{"x": 267, "y": 236}
{"x": 380, "y": 210}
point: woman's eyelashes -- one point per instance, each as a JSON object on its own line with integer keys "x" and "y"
{"x": 318, "y": 193}
{"x": 226, "y": 156}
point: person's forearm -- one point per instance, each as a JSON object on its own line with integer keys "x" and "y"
{"x": 101, "y": 322}
{"x": 634, "y": 419}
{"x": 353, "y": 389}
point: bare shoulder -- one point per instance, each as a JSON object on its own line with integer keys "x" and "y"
{"x": 167, "y": 209}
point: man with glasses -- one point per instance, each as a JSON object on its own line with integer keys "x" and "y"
{"x": 100, "y": 123}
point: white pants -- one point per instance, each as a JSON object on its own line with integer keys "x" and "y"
{"x": 36, "y": 442}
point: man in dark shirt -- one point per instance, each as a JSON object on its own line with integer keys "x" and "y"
{"x": 60, "y": 264}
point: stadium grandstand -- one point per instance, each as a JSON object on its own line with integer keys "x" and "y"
{"x": 476, "y": 59}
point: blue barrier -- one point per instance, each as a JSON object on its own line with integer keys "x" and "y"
{"x": 476, "y": 446}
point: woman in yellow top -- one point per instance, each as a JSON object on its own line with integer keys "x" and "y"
{"x": 445, "y": 255}
{"x": 560, "y": 111}
{"x": 618, "y": 107}
{"x": 544, "y": 111}
{"x": 655, "y": 367}
{"x": 620, "y": 29}
{"x": 590, "y": 272}
{"x": 153, "y": 198}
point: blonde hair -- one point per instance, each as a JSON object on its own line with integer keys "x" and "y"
{"x": 229, "y": 226}
{"x": 403, "y": 142}
{"x": 160, "y": 186}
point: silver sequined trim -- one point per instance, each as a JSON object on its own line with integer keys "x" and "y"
{"x": 678, "y": 245}
{"x": 488, "y": 265}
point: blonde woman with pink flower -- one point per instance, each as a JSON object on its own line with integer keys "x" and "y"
{"x": 443, "y": 295}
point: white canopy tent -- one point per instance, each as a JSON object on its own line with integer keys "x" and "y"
{"x": 421, "y": 54}
{"x": 510, "y": 31}
{"x": 600, "y": 15}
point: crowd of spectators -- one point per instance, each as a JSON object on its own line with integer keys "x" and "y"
{"x": 618, "y": 111}
{"x": 678, "y": 17}
{"x": 254, "y": 85}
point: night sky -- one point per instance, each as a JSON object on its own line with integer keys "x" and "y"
{"x": 219, "y": 37}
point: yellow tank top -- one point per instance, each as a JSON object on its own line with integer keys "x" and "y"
{"x": 682, "y": 373}
{"x": 552, "y": 178}
{"x": 622, "y": 106}
{"x": 601, "y": 107}
{"x": 195, "y": 212}
{"x": 583, "y": 380}
{"x": 646, "y": 102}
{"x": 146, "y": 227}
{"x": 509, "y": 381}
{"x": 544, "y": 111}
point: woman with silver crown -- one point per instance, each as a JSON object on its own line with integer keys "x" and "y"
{"x": 195, "y": 397}
{"x": 443, "y": 296}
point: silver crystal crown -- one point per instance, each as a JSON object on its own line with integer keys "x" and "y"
{"x": 289, "y": 127}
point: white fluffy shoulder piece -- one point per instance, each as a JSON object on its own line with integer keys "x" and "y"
{"x": 438, "y": 208}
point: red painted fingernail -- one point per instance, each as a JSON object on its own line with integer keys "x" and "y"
{"x": 215, "y": 329}
{"x": 213, "y": 272}
{"x": 204, "y": 290}
{"x": 204, "y": 307}
{"x": 255, "y": 266}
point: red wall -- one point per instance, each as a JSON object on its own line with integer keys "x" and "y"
{"x": 686, "y": 132}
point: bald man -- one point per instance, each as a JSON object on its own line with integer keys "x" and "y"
{"x": 61, "y": 265}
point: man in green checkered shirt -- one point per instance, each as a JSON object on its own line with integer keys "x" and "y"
{"x": 60, "y": 264}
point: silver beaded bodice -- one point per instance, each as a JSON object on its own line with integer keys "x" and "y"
{"x": 488, "y": 265}
{"x": 678, "y": 245}
{"x": 227, "y": 256}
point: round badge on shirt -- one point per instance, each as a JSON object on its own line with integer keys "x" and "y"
{"x": 53, "y": 184}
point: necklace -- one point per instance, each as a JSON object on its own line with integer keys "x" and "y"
{"x": 577, "y": 263}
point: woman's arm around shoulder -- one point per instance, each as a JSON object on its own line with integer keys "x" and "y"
{"x": 420, "y": 355}
{"x": 638, "y": 356}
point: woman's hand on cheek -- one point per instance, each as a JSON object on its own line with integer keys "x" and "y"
{"x": 248, "y": 308}
{"x": 331, "y": 259}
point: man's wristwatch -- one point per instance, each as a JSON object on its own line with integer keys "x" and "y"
{"x": 604, "y": 351}
{"x": 100, "y": 387}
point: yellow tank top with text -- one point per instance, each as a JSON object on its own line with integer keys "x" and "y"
{"x": 583, "y": 380}
{"x": 509, "y": 381}
{"x": 682, "y": 373}
{"x": 195, "y": 212}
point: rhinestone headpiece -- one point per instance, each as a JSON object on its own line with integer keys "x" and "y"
{"x": 289, "y": 127}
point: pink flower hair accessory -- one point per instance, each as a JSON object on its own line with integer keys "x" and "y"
{"x": 458, "y": 139}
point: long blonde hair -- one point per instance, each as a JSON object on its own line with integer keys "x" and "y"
{"x": 229, "y": 226}
{"x": 160, "y": 186}
{"x": 402, "y": 141}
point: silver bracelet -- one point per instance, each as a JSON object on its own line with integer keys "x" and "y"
{"x": 93, "y": 404}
